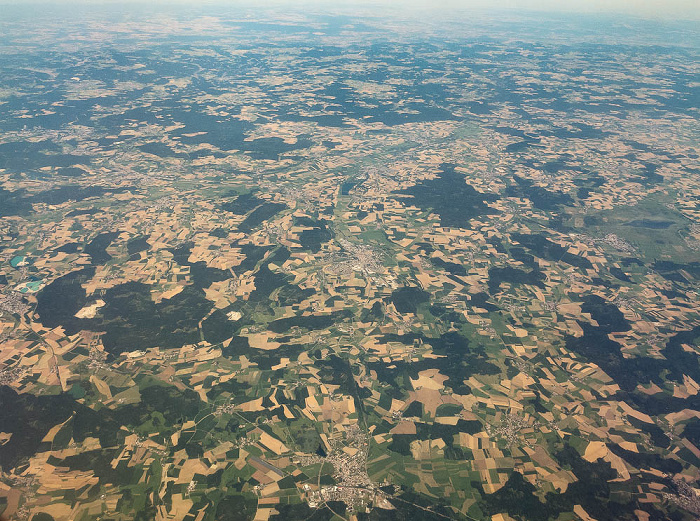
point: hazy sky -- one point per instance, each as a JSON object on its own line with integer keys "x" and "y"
{"x": 679, "y": 7}
{"x": 687, "y": 9}
{"x": 684, "y": 9}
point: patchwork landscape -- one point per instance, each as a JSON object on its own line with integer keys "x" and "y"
{"x": 265, "y": 265}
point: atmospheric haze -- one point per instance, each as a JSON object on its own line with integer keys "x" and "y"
{"x": 663, "y": 9}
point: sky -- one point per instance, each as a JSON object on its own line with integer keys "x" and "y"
{"x": 681, "y": 9}
{"x": 684, "y": 9}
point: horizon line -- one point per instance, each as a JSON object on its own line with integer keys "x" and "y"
{"x": 682, "y": 10}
